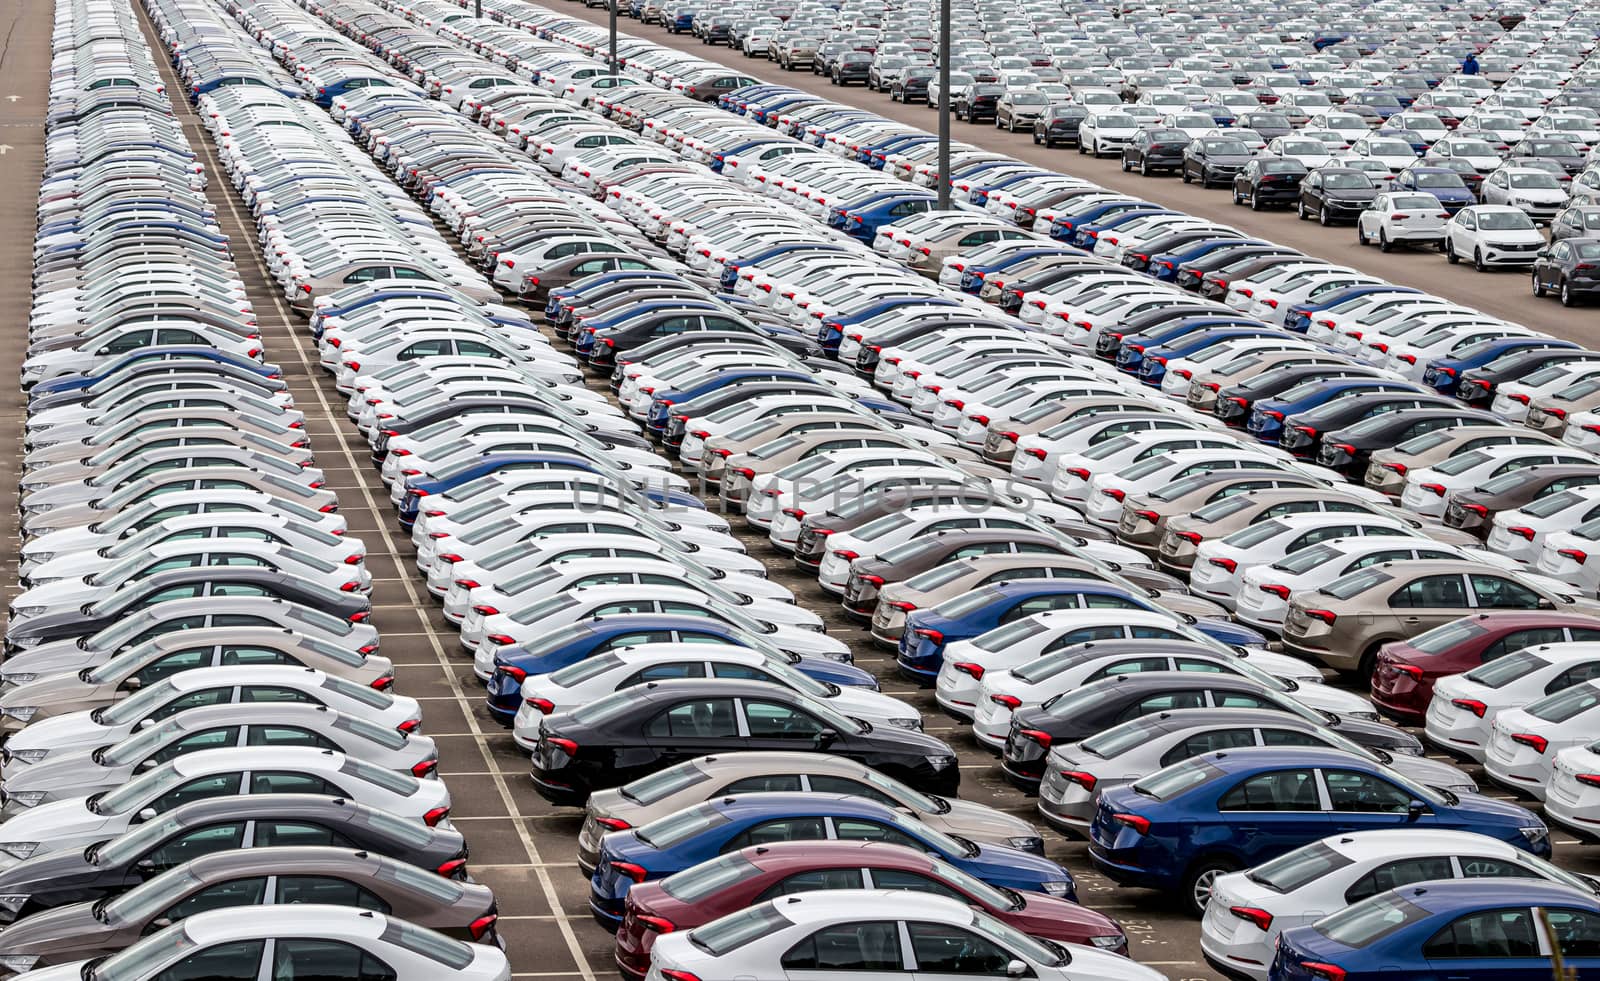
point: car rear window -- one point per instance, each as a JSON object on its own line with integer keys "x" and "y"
{"x": 732, "y": 932}
{"x": 659, "y": 786}
{"x": 694, "y": 884}
{"x": 1503, "y": 671}
{"x": 1440, "y": 639}
{"x": 1012, "y": 633}
{"x": 1287, "y": 873}
{"x": 674, "y": 828}
{"x": 1566, "y": 704}
{"x": 1118, "y": 740}
{"x": 1177, "y": 778}
{"x": 1369, "y": 921}
{"x": 1356, "y": 583}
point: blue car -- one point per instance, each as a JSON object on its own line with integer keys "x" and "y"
{"x": 1164, "y": 266}
{"x": 1299, "y": 317}
{"x": 1441, "y": 182}
{"x": 1445, "y": 373}
{"x": 1088, "y": 233}
{"x": 662, "y": 400}
{"x": 1130, "y": 352}
{"x": 162, "y": 352}
{"x": 927, "y": 632}
{"x": 572, "y": 644}
{"x": 1179, "y": 828}
{"x": 698, "y": 834}
{"x": 1458, "y": 928}
{"x": 1154, "y": 366}
{"x": 1267, "y": 415}
{"x": 483, "y": 466}
{"x": 861, "y": 219}
{"x": 1065, "y": 227}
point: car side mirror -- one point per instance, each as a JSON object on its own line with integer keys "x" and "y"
{"x": 145, "y": 723}
{"x": 131, "y": 684}
{"x": 1017, "y": 969}
{"x": 827, "y": 737}
{"x": 1415, "y": 810}
{"x": 1543, "y": 253}
{"x": 1546, "y": 604}
{"x": 156, "y": 925}
{"x": 147, "y": 814}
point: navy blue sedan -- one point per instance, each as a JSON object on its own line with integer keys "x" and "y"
{"x": 1179, "y": 828}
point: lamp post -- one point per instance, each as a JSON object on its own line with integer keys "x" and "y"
{"x": 944, "y": 105}
{"x": 612, "y": 63}
{"x": 477, "y": 9}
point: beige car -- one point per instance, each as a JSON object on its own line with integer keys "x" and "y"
{"x": 1145, "y": 517}
{"x": 717, "y": 450}
{"x": 1185, "y": 532}
{"x": 381, "y": 270}
{"x": 1345, "y": 622}
{"x": 697, "y": 781}
{"x": 952, "y": 579}
{"x": 1549, "y": 413}
{"x": 928, "y": 252}
{"x": 1203, "y": 387}
{"x": 1386, "y": 473}
{"x": 1000, "y": 443}
{"x": 739, "y": 471}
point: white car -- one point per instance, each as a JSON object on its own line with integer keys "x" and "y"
{"x": 1512, "y": 399}
{"x": 1074, "y": 475}
{"x": 1564, "y": 555}
{"x": 881, "y": 932}
{"x": 1536, "y": 193}
{"x": 1464, "y": 707}
{"x": 1392, "y": 152}
{"x": 1428, "y": 489}
{"x": 1107, "y": 491}
{"x": 1106, "y": 131}
{"x": 1037, "y": 453}
{"x": 873, "y": 538}
{"x": 1521, "y": 534}
{"x": 1402, "y": 216}
{"x": 1220, "y": 564}
{"x": 1572, "y": 796}
{"x": 81, "y": 821}
{"x": 1523, "y": 742}
{"x": 598, "y": 676}
{"x": 1492, "y": 235}
{"x": 1248, "y": 910}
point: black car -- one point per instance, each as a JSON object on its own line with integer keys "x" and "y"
{"x": 1155, "y": 149}
{"x": 1096, "y": 707}
{"x": 1481, "y": 384}
{"x": 1570, "y": 268}
{"x": 1269, "y": 181}
{"x": 1193, "y": 274}
{"x": 1349, "y": 450}
{"x": 1576, "y": 221}
{"x": 1270, "y": 125}
{"x": 1335, "y": 194}
{"x": 631, "y": 734}
{"x": 713, "y": 29}
{"x": 911, "y": 85}
{"x": 1212, "y": 159}
{"x": 978, "y": 102}
{"x": 852, "y": 66}
{"x": 1234, "y": 402}
{"x": 180, "y": 584}
{"x": 1214, "y": 284}
{"x": 665, "y": 322}
{"x": 76, "y": 875}
{"x": 1058, "y": 125}
{"x": 1302, "y": 430}
{"x": 1568, "y": 155}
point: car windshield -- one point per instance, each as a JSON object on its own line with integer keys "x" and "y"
{"x": 1508, "y": 221}
{"x": 1369, "y": 921}
{"x": 1300, "y": 867}
{"x": 1114, "y": 120}
{"x": 141, "y": 744}
{"x": 1542, "y": 182}
{"x": 139, "y": 790}
{"x": 138, "y": 705}
{"x": 1226, "y": 148}
{"x": 141, "y": 960}
{"x": 1356, "y": 583}
{"x": 143, "y": 902}
{"x": 1176, "y": 779}
{"x": 1347, "y": 181}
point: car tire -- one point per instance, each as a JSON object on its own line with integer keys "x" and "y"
{"x": 1567, "y": 297}
{"x": 1126, "y": 167}
{"x": 1300, "y": 211}
{"x": 1255, "y": 201}
{"x": 1238, "y": 199}
{"x": 1384, "y": 245}
{"x": 1198, "y": 878}
{"x": 1450, "y": 252}
{"x": 1036, "y": 140}
{"x": 1361, "y": 234}
{"x": 1144, "y": 167}
{"x": 1184, "y": 173}
{"x": 1538, "y": 287}
{"x": 1323, "y": 219}
{"x": 1477, "y": 260}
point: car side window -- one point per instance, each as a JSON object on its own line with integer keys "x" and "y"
{"x": 223, "y": 895}
{"x": 1393, "y": 875}
{"x": 1516, "y": 640}
{"x": 261, "y": 735}
{"x": 1431, "y": 592}
{"x": 1352, "y": 791}
{"x": 1207, "y": 742}
{"x": 237, "y": 961}
{"x": 172, "y": 664}
{"x": 1278, "y": 790}
{"x": 1163, "y": 703}
{"x": 779, "y": 830}
{"x": 774, "y": 783}
{"x": 711, "y": 718}
{"x": 941, "y": 948}
{"x": 813, "y": 880}
{"x": 1485, "y": 934}
{"x": 195, "y": 699}
{"x": 1493, "y": 868}
{"x": 1576, "y": 931}
{"x": 860, "y": 947}
{"x": 210, "y": 739}
{"x": 1132, "y": 665}
{"x": 193, "y": 844}
{"x": 282, "y": 782}
{"x": 288, "y": 834}
{"x": 860, "y": 829}
{"x": 664, "y": 672}
{"x": 200, "y": 788}
{"x": 327, "y": 890}
{"x": 308, "y": 959}
{"x": 1574, "y": 675}
{"x": 769, "y": 720}
{"x": 272, "y": 693}
{"x": 1493, "y": 592}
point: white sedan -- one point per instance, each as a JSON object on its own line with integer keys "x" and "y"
{"x": 1075, "y": 472}
{"x": 1523, "y": 742}
{"x": 1220, "y": 564}
{"x": 1464, "y": 707}
{"x": 878, "y": 933}
{"x": 1572, "y": 797}
{"x": 1402, "y": 216}
{"x": 598, "y": 676}
{"x": 1521, "y": 534}
{"x": 1037, "y": 453}
{"x": 1428, "y": 489}
{"x": 1492, "y": 235}
{"x": 1249, "y": 909}
{"x": 1565, "y": 556}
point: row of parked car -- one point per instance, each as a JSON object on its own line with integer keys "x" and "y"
{"x": 630, "y": 322}
{"x": 206, "y": 770}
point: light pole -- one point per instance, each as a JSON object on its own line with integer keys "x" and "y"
{"x": 477, "y": 9}
{"x": 944, "y": 105}
{"x": 613, "y": 60}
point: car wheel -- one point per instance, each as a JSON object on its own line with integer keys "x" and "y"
{"x": 1538, "y": 287}
{"x": 1477, "y": 260}
{"x": 1361, "y": 234}
{"x": 1450, "y": 252}
{"x": 1036, "y": 140}
{"x": 1237, "y": 197}
{"x": 1255, "y": 201}
{"x": 1567, "y": 298}
{"x": 1300, "y": 211}
{"x": 1144, "y": 167}
{"x": 1184, "y": 173}
{"x": 1126, "y": 166}
{"x": 1383, "y": 241}
{"x": 1197, "y": 881}
{"x": 1322, "y": 217}
{"x": 1367, "y": 665}
{"x": 1081, "y": 150}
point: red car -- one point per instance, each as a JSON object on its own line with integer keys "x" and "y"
{"x": 1402, "y": 682}
{"x": 741, "y": 879}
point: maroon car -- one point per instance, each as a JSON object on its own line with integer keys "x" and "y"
{"x": 741, "y": 879}
{"x": 1402, "y": 683}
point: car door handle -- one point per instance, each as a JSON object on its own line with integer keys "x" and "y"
{"x": 1410, "y": 619}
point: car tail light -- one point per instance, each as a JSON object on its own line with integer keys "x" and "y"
{"x": 1227, "y": 565}
{"x": 1282, "y": 592}
{"x": 565, "y": 745}
{"x": 501, "y": 639}
{"x": 932, "y": 636}
{"x": 483, "y": 926}
{"x": 435, "y": 815}
{"x": 1410, "y": 669}
{"x": 635, "y": 872}
{"x": 902, "y": 606}
{"x": 1471, "y": 705}
{"x": 657, "y": 923}
{"x": 1577, "y": 555}
{"x": 1037, "y": 736}
{"x": 1116, "y": 494}
{"x": 384, "y": 683}
{"x": 1517, "y": 397}
{"x": 1537, "y": 743}
{"x": 1478, "y": 509}
{"x": 673, "y": 974}
{"x": 1437, "y": 489}
{"x": 453, "y": 869}
{"x": 612, "y": 824}
{"x": 1326, "y": 616}
{"x": 975, "y": 670}
{"x": 1134, "y": 821}
{"x": 1034, "y": 451}
{"x": 361, "y": 617}
{"x": 1526, "y": 534}
{"x": 1082, "y": 779}
{"x": 544, "y": 705}
{"x": 1259, "y": 917}
{"x": 1592, "y": 779}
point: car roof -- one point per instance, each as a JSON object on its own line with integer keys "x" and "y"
{"x": 852, "y": 905}
{"x": 1453, "y": 894}
{"x": 294, "y": 919}
{"x": 777, "y": 762}
{"x": 1367, "y": 845}
{"x": 786, "y": 855}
